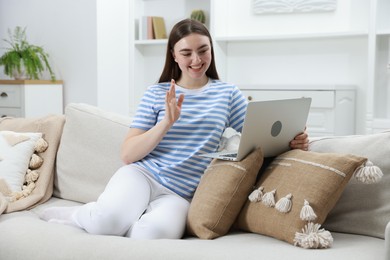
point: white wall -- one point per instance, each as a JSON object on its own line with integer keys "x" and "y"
{"x": 67, "y": 31}
{"x": 87, "y": 41}
{"x": 236, "y": 18}
{"x": 113, "y": 55}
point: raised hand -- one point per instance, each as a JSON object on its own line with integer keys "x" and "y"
{"x": 172, "y": 106}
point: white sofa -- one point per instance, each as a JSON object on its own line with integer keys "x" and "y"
{"x": 88, "y": 155}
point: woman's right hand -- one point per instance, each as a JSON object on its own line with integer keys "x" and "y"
{"x": 139, "y": 143}
{"x": 172, "y": 107}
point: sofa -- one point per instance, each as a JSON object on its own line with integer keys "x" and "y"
{"x": 85, "y": 145}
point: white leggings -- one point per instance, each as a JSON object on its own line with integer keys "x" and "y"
{"x": 136, "y": 206}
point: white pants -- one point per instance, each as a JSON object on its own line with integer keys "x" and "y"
{"x": 134, "y": 205}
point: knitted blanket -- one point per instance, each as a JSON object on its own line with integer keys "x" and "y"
{"x": 51, "y": 127}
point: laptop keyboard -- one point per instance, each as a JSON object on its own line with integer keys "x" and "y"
{"x": 230, "y": 155}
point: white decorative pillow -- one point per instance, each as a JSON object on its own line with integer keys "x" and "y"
{"x": 362, "y": 209}
{"x": 16, "y": 150}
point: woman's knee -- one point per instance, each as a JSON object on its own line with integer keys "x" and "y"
{"x": 101, "y": 222}
{"x": 166, "y": 220}
{"x": 121, "y": 204}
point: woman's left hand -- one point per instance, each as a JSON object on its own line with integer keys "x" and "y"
{"x": 301, "y": 141}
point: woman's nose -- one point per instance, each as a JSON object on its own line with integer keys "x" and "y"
{"x": 195, "y": 57}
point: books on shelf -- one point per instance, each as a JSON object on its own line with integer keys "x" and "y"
{"x": 152, "y": 27}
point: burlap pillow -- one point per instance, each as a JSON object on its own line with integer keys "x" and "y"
{"x": 51, "y": 128}
{"x": 362, "y": 209}
{"x": 221, "y": 194}
{"x": 293, "y": 180}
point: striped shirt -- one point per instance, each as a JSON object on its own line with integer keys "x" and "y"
{"x": 205, "y": 114}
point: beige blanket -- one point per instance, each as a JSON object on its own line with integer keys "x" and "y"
{"x": 51, "y": 127}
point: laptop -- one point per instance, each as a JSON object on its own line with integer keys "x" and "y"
{"x": 270, "y": 125}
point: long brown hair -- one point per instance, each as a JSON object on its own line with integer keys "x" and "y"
{"x": 180, "y": 30}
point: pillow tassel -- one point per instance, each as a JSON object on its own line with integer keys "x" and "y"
{"x": 313, "y": 237}
{"x": 368, "y": 173}
{"x": 269, "y": 199}
{"x": 284, "y": 204}
{"x": 31, "y": 176}
{"x": 256, "y": 195}
{"x": 307, "y": 212}
{"x": 27, "y": 189}
{"x": 41, "y": 145}
{"x": 35, "y": 162}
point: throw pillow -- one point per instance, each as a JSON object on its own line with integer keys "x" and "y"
{"x": 16, "y": 150}
{"x": 362, "y": 209}
{"x": 31, "y": 176}
{"x": 221, "y": 194}
{"x": 295, "y": 194}
{"x": 51, "y": 128}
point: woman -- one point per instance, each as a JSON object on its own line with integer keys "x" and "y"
{"x": 179, "y": 118}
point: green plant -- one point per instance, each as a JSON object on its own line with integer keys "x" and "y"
{"x": 198, "y": 15}
{"x": 22, "y": 54}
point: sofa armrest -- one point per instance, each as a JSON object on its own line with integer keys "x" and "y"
{"x": 387, "y": 241}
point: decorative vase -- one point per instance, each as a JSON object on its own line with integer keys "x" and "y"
{"x": 22, "y": 75}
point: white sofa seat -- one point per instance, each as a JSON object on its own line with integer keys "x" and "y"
{"x": 24, "y": 236}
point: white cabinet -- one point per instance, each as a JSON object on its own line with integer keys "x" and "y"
{"x": 349, "y": 46}
{"x": 332, "y": 110}
{"x": 30, "y": 98}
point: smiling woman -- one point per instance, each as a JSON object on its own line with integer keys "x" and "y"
{"x": 173, "y": 125}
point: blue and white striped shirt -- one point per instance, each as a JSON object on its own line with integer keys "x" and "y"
{"x": 205, "y": 114}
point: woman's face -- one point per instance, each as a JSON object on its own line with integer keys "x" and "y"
{"x": 193, "y": 55}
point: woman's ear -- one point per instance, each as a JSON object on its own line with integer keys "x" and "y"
{"x": 173, "y": 55}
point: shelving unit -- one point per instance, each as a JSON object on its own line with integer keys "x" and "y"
{"x": 284, "y": 37}
{"x": 378, "y": 113}
{"x": 347, "y": 47}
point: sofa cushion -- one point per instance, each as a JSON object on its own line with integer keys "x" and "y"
{"x": 16, "y": 150}
{"x": 362, "y": 209}
{"x": 89, "y": 153}
{"x": 22, "y": 232}
{"x": 293, "y": 180}
{"x": 221, "y": 194}
{"x": 51, "y": 128}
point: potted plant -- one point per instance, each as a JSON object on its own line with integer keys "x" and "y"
{"x": 23, "y": 60}
{"x": 198, "y": 15}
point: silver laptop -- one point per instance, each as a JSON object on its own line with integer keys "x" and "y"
{"x": 270, "y": 125}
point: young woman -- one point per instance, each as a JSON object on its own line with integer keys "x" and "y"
{"x": 181, "y": 117}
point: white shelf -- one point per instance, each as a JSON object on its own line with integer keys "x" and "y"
{"x": 151, "y": 42}
{"x": 304, "y": 87}
{"x": 294, "y": 36}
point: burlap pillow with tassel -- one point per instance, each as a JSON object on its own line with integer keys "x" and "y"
{"x": 296, "y": 192}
